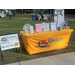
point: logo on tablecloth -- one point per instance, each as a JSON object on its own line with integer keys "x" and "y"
{"x": 43, "y": 43}
{"x": 49, "y": 42}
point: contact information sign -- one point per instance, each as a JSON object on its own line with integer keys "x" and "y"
{"x": 9, "y": 42}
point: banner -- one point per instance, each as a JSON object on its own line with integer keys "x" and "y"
{"x": 9, "y": 42}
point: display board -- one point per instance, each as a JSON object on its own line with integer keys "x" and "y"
{"x": 59, "y": 17}
{"x": 9, "y": 42}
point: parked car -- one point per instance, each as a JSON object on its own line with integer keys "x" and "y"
{"x": 28, "y": 11}
{"x": 2, "y": 13}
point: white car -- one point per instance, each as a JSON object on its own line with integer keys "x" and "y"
{"x": 2, "y": 15}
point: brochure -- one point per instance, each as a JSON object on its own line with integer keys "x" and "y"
{"x": 31, "y": 29}
{"x": 26, "y": 30}
{"x": 38, "y": 28}
{"x": 53, "y": 26}
{"x": 46, "y": 26}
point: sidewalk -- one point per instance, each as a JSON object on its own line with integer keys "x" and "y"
{"x": 61, "y": 59}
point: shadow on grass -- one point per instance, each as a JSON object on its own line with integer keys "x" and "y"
{"x": 13, "y": 56}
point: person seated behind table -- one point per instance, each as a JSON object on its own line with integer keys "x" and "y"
{"x": 45, "y": 13}
{"x": 42, "y": 15}
{"x": 39, "y": 13}
{"x": 36, "y": 16}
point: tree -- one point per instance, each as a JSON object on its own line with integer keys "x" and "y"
{"x": 22, "y": 11}
{"x": 72, "y": 11}
{"x": 44, "y": 10}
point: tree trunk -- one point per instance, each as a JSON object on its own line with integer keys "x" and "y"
{"x": 22, "y": 11}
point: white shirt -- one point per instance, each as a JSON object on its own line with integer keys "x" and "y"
{"x": 9, "y": 12}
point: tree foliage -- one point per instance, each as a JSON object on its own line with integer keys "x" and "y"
{"x": 67, "y": 11}
{"x": 22, "y": 10}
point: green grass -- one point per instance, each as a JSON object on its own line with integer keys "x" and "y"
{"x": 15, "y": 25}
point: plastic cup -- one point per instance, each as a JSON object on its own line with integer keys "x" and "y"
{"x": 58, "y": 28}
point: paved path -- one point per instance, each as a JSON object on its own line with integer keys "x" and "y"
{"x": 60, "y": 59}
{"x": 70, "y": 17}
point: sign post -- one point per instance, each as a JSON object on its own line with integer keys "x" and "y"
{"x": 1, "y": 55}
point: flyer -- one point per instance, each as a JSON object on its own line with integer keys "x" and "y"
{"x": 46, "y": 26}
{"x": 53, "y": 26}
{"x": 31, "y": 29}
{"x": 38, "y": 28}
{"x": 26, "y": 30}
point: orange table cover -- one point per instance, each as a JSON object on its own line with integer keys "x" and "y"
{"x": 46, "y": 41}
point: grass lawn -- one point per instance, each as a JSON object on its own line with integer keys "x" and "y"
{"x": 15, "y": 25}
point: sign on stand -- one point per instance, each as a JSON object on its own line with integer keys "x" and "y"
{"x": 9, "y": 42}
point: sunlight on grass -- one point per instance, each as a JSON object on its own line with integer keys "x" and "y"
{"x": 23, "y": 18}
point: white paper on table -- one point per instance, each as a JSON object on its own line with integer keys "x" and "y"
{"x": 38, "y": 27}
{"x": 42, "y": 25}
{"x": 53, "y": 26}
{"x": 46, "y": 26}
{"x": 26, "y": 30}
{"x": 31, "y": 29}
